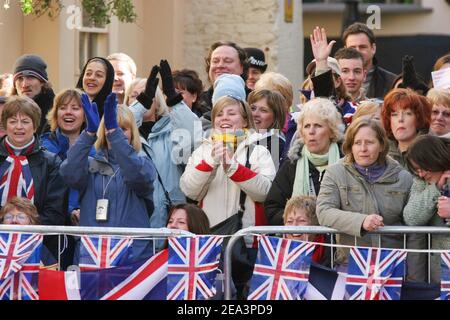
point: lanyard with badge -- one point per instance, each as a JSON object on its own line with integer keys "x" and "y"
{"x": 101, "y": 213}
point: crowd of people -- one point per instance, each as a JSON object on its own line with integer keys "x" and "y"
{"x": 364, "y": 149}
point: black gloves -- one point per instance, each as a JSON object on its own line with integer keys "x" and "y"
{"x": 410, "y": 79}
{"x": 146, "y": 97}
{"x": 409, "y": 72}
{"x": 173, "y": 97}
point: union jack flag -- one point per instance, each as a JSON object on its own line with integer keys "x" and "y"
{"x": 445, "y": 276}
{"x": 19, "y": 260}
{"x": 142, "y": 280}
{"x": 281, "y": 270}
{"x": 193, "y": 265}
{"x": 16, "y": 179}
{"x": 100, "y": 252}
{"x": 15, "y": 249}
{"x": 375, "y": 274}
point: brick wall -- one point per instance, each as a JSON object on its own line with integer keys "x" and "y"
{"x": 249, "y": 23}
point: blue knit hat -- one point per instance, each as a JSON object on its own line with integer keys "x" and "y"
{"x": 229, "y": 85}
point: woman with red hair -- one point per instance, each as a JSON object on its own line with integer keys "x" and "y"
{"x": 405, "y": 115}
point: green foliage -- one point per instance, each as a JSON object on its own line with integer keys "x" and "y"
{"x": 124, "y": 10}
{"x": 98, "y": 12}
{"x": 27, "y": 6}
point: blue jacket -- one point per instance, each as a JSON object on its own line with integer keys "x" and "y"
{"x": 125, "y": 178}
{"x": 170, "y": 144}
{"x": 58, "y": 143}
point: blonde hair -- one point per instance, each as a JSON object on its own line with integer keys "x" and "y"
{"x": 277, "y": 82}
{"x": 306, "y": 85}
{"x": 126, "y": 120}
{"x": 161, "y": 106}
{"x": 22, "y": 204}
{"x": 439, "y": 97}
{"x": 441, "y": 61}
{"x": 326, "y": 111}
{"x": 125, "y": 58}
{"x": 62, "y": 98}
{"x": 367, "y": 109}
{"x": 130, "y": 89}
{"x": 306, "y": 203}
{"x": 341, "y": 90}
{"x": 244, "y": 110}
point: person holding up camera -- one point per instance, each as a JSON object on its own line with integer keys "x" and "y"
{"x": 229, "y": 175}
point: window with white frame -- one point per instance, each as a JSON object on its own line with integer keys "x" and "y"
{"x": 93, "y": 41}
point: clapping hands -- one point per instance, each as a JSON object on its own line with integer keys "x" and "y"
{"x": 110, "y": 115}
{"x": 173, "y": 97}
{"x": 91, "y": 113}
{"x": 146, "y": 97}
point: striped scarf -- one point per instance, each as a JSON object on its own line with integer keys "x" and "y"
{"x": 16, "y": 180}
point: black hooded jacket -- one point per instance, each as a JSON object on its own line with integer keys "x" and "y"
{"x": 107, "y": 87}
{"x": 45, "y": 102}
{"x": 50, "y": 192}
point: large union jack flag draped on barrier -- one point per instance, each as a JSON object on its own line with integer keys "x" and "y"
{"x": 16, "y": 179}
{"x": 445, "y": 276}
{"x": 375, "y": 274}
{"x": 100, "y": 252}
{"x": 19, "y": 266}
{"x": 138, "y": 281}
{"x": 193, "y": 266}
{"x": 282, "y": 269}
{"x": 141, "y": 280}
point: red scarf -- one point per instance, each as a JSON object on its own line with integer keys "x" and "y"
{"x": 320, "y": 250}
{"x": 16, "y": 180}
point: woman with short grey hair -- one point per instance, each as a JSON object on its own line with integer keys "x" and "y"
{"x": 320, "y": 129}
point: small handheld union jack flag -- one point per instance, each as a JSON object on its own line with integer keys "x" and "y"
{"x": 19, "y": 266}
{"x": 375, "y": 274}
{"x": 445, "y": 276}
{"x": 193, "y": 266}
{"x": 100, "y": 252}
{"x": 282, "y": 269}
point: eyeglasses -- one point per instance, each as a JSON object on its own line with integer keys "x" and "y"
{"x": 21, "y": 217}
{"x": 445, "y": 114}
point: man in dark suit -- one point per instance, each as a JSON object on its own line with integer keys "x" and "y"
{"x": 378, "y": 80}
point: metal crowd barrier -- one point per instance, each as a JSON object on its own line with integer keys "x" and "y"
{"x": 138, "y": 233}
{"x": 143, "y": 233}
{"x": 402, "y": 230}
{"x": 83, "y": 231}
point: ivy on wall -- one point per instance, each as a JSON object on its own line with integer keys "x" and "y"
{"x": 99, "y": 12}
